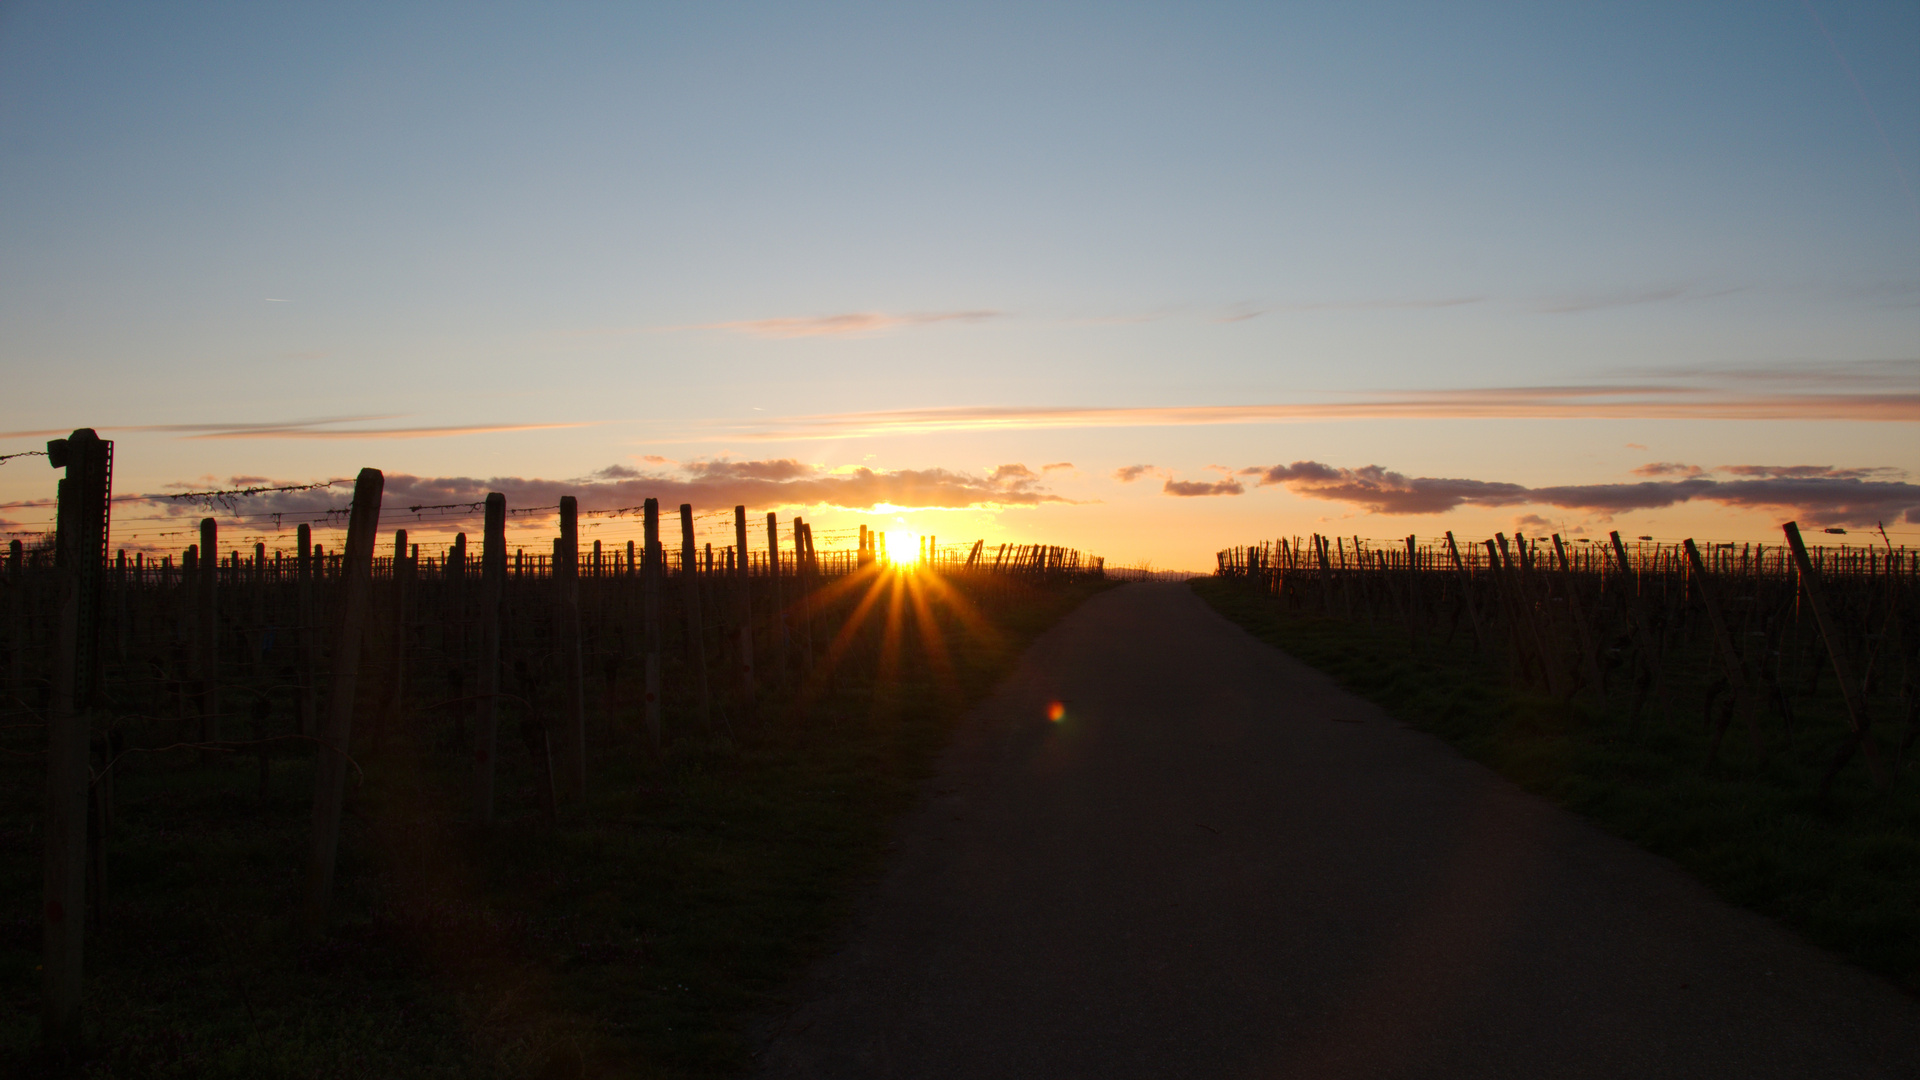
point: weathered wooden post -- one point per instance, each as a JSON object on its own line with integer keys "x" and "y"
{"x": 79, "y": 557}
{"x": 778, "y": 601}
{"x": 493, "y": 583}
{"x": 330, "y": 764}
{"x": 566, "y": 581}
{"x": 308, "y": 694}
{"x": 690, "y": 589}
{"x": 1850, "y": 690}
{"x": 743, "y": 604}
{"x": 207, "y": 630}
{"x": 655, "y": 555}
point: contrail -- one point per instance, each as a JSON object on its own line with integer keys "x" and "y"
{"x": 1885, "y": 143}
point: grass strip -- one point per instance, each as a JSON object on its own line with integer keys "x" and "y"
{"x": 1844, "y": 872}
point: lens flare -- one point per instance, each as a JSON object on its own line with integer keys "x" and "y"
{"x": 1056, "y": 711}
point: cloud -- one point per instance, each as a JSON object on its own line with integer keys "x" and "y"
{"x": 1243, "y": 312}
{"x": 1056, "y": 465}
{"x": 1668, "y": 468}
{"x": 306, "y": 429}
{"x": 705, "y": 485}
{"x": 1836, "y": 497}
{"x": 1562, "y": 402}
{"x": 1192, "y": 488}
{"x": 850, "y": 324}
{"x": 1130, "y": 473}
{"x": 775, "y": 471}
{"x": 1386, "y": 492}
{"x": 1802, "y": 471}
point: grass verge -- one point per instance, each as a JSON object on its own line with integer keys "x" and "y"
{"x": 1843, "y": 872}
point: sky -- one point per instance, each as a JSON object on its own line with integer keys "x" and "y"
{"x": 1145, "y": 280}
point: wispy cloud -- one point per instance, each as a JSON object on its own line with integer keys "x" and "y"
{"x": 1556, "y": 402}
{"x": 850, "y": 324}
{"x": 1243, "y": 312}
{"x": 1188, "y": 489}
{"x": 766, "y": 484}
{"x": 1595, "y": 301}
{"x": 1129, "y": 473}
{"x": 1819, "y": 494}
{"x": 327, "y": 428}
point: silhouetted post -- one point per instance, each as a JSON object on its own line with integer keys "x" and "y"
{"x": 806, "y": 572}
{"x": 349, "y": 624}
{"x": 655, "y": 555}
{"x": 1466, "y": 594}
{"x": 16, "y": 622}
{"x": 690, "y": 589}
{"x": 493, "y": 583}
{"x": 1589, "y": 653}
{"x": 308, "y": 701}
{"x": 257, "y": 582}
{"x": 1744, "y": 698}
{"x": 402, "y": 575}
{"x": 743, "y": 604}
{"x": 566, "y": 578}
{"x": 1850, "y": 690}
{"x": 207, "y": 632}
{"x": 79, "y": 558}
{"x": 778, "y": 601}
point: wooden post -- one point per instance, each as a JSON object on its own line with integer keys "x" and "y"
{"x": 1850, "y": 690}
{"x": 308, "y": 693}
{"x": 1466, "y": 594}
{"x": 566, "y": 581}
{"x": 16, "y": 623}
{"x": 330, "y": 764}
{"x": 690, "y": 589}
{"x": 1731, "y": 662}
{"x": 396, "y": 690}
{"x": 743, "y": 604}
{"x": 651, "y": 587}
{"x": 207, "y": 631}
{"x": 807, "y": 564}
{"x": 778, "y": 603}
{"x": 80, "y": 553}
{"x": 493, "y": 584}
{"x": 1644, "y": 642}
{"x": 1589, "y": 655}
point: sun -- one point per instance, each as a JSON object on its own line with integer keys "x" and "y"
{"x": 903, "y": 548}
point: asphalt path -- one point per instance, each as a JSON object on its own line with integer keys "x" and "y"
{"x": 1220, "y": 864}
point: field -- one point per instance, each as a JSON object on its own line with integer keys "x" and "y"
{"x": 668, "y": 832}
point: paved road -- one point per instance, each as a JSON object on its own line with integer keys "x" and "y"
{"x": 1219, "y": 864}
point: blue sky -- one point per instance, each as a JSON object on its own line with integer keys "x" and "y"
{"x": 682, "y": 227}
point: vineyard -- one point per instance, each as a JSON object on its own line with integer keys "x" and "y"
{"x": 522, "y": 682}
{"x": 1750, "y": 711}
{"x": 1759, "y": 628}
